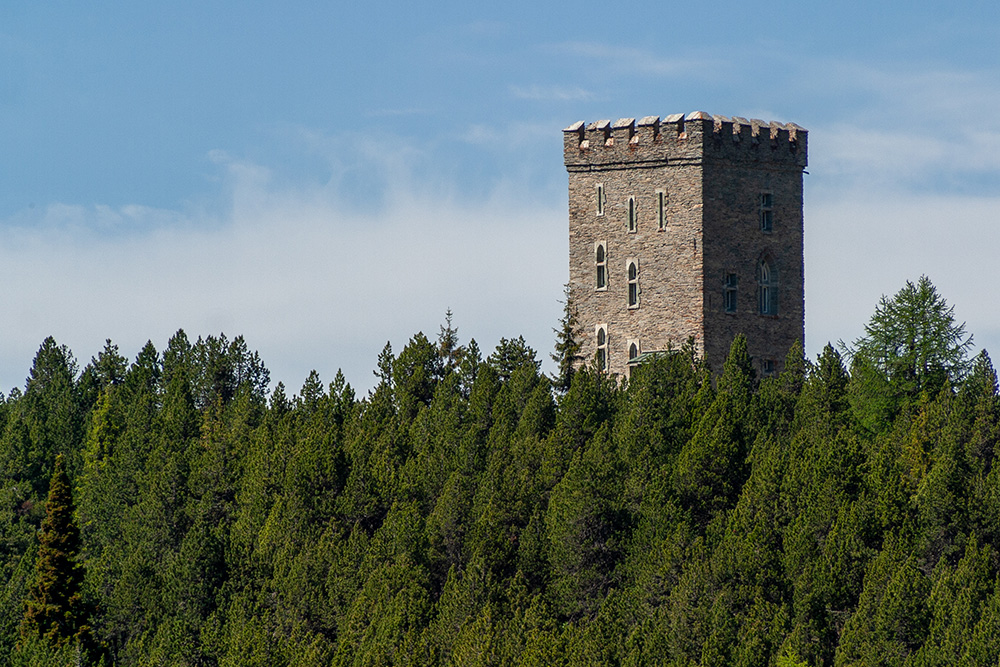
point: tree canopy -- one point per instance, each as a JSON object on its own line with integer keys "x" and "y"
{"x": 465, "y": 512}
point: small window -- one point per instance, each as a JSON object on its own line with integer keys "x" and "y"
{"x": 631, "y": 215}
{"x": 600, "y": 199}
{"x": 661, "y": 209}
{"x": 729, "y": 293}
{"x": 766, "y": 212}
{"x": 633, "y": 284}
{"x": 766, "y": 290}
{"x": 633, "y": 349}
{"x": 767, "y": 367}
{"x": 602, "y": 347}
{"x": 601, "y": 262}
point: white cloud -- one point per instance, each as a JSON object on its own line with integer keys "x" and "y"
{"x": 308, "y": 282}
{"x": 863, "y": 246}
{"x": 905, "y": 187}
{"x": 909, "y": 128}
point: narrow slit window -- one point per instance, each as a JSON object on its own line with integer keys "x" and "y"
{"x": 633, "y": 284}
{"x": 661, "y": 209}
{"x": 601, "y": 262}
{"x": 631, "y": 215}
{"x": 600, "y": 198}
{"x": 766, "y": 211}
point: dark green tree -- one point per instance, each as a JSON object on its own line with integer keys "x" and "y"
{"x": 55, "y": 609}
{"x": 510, "y": 355}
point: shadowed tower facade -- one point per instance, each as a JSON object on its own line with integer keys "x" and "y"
{"x": 685, "y": 228}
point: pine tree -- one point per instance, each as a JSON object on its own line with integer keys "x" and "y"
{"x": 55, "y": 608}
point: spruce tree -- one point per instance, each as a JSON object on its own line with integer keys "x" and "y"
{"x": 55, "y": 608}
{"x": 568, "y": 346}
{"x": 448, "y": 348}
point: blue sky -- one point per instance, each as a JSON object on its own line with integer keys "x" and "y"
{"x": 323, "y": 178}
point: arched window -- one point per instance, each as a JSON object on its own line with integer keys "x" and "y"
{"x": 633, "y": 350}
{"x": 767, "y": 288}
{"x": 601, "y": 261}
{"x": 631, "y": 215}
{"x": 633, "y": 284}
{"x": 602, "y": 347}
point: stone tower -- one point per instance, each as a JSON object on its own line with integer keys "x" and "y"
{"x": 689, "y": 227}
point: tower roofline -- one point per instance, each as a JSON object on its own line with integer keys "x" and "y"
{"x": 654, "y": 141}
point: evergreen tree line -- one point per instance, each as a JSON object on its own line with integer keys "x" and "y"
{"x": 472, "y": 511}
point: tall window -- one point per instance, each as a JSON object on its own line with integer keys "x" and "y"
{"x": 766, "y": 212}
{"x": 601, "y": 261}
{"x": 600, "y": 198}
{"x": 633, "y": 349}
{"x": 729, "y": 293}
{"x": 633, "y": 284}
{"x": 631, "y": 215}
{"x": 767, "y": 303}
{"x": 602, "y": 347}
{"x": 661, "y": 209}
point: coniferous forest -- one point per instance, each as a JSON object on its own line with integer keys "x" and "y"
{"x": 177, "y": 510}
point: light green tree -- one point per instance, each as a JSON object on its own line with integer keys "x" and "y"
{"x": 914, "y": 340}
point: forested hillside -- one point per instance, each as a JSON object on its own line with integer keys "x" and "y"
{"x": 471, "y": 511}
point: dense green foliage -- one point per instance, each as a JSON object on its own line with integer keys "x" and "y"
{"x": 465, "y": 513}
{"x": 55, "y": 610}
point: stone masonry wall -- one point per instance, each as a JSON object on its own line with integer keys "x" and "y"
{"x": 711, "y": 171}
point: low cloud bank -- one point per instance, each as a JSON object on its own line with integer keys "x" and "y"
{"x": 308, "y": 282}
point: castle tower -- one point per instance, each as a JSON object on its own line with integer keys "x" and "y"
{"x": 689, "y": 227}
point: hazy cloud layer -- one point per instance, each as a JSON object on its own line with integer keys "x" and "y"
{"x": 863, "y": 246}
{"x": 318, "y": 268}
{"x": 911, "y": 130}
{"x": 308, "y": 284}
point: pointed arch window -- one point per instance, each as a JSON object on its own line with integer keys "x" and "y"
{"x": 767, "y": 288}
{"x": 601, "y": 266}
{"x": 602, "y": 347}
{"x": 634, "y": 349}
{"x": 632, "y": 268}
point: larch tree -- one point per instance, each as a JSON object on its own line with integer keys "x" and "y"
{"x": 914, "y": 340}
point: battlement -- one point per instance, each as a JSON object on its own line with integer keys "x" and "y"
{"x": 682, "y": 139}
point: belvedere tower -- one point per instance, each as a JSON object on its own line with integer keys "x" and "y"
{"x": 686, "y": 227}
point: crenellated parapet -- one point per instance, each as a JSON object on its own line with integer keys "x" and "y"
{"x": 678, "y": 139}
